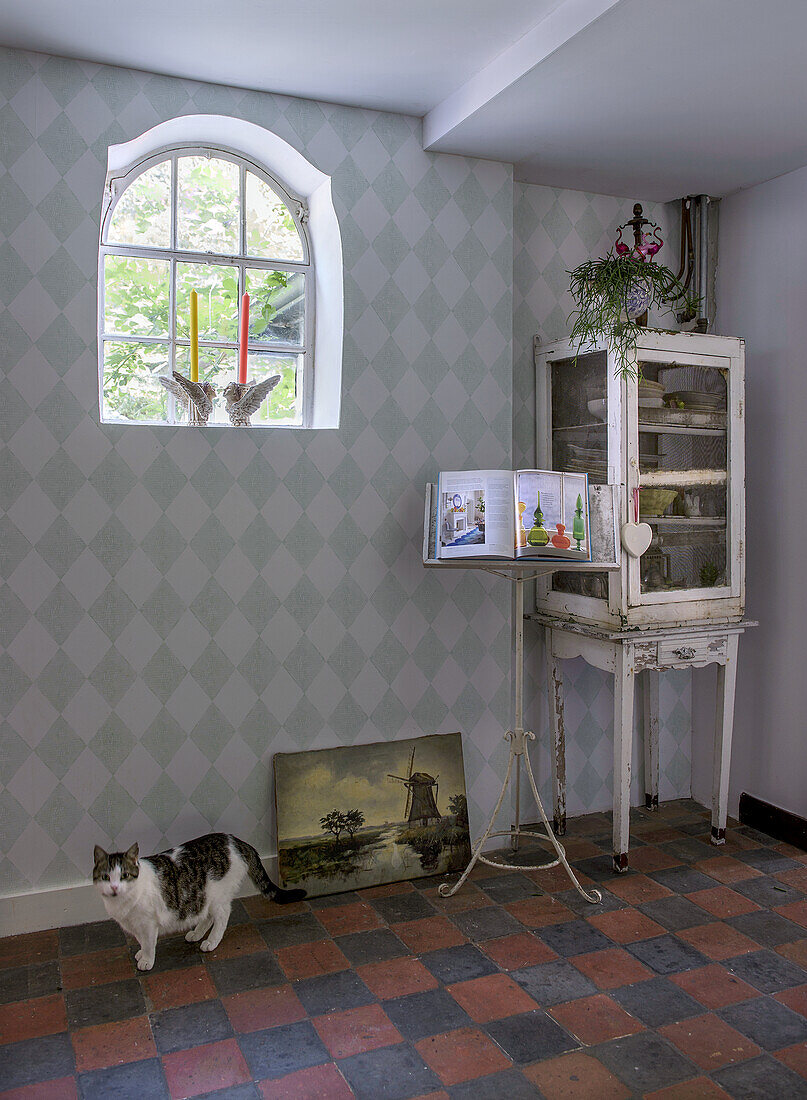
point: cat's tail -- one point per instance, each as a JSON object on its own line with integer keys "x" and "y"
{"x": 256, "y": 872}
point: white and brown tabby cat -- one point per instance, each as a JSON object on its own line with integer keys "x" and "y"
{"x": 189, "y": 888}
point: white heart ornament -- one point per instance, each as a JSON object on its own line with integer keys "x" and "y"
{"x": 636, "y": 537}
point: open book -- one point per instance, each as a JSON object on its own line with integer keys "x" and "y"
{"x": 511, "y": 514}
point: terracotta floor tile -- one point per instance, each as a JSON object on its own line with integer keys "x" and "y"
{"x": 309, "y": 960}
{"x": 794, "y": 1058}
{"x": 796, "y": 876}
{"x": 718, "y": 940}
{"x": 520, "y": 949}
{"x": 796, "y": 952}
{"x": 638, "y": 889}
{"x": 315, "y": 1083}
{"x": 595, "y": 1019}
{"x": 540, "y": 911}
{"x": 113, "y": 1044}
{"x": 661, "y": 834}
{"x": 795, "y": 911}
{"x": 722, "y": 902}
{"x": 626, "y": 925}
{"x": 63, "y": 1088}
{"x": 577, "y": 847}
{"x": 714, "y": 986}
{"x": 185, "y": 986}
{"x": 239, "y": 939}
{"x": 726, "y": 870}
{"x": 429, "y": 934}
{"x": 555, "y": 879}
{"x": 97, "y": 968}
{"x": 388, "y": 890}
{"x": 341, "y": 920}
{"x": 396, "y": 977}
{"x": 491, "y": 998}
{"x": 31, "y": 947}
{"x": 649, "y": 858}
{"x": 261, "y": 908}
{"x": 575, "y": 1076}
{"x": 795, "y": 998}
{"x": 256, "y": 1009}
{"x": 30, "y": 1019}
{"x": 697, "y": 1088}
{"x": 356, "y": 1030}
{"x": 611, "y": 968}
{"x": 709, "y": 1042}
{"x": 205, "y": 1068}
{"x": 462, "y": 1055}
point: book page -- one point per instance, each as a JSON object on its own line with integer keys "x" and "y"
{"x": 475, "y": 514}
{"x": 546, "y": 515}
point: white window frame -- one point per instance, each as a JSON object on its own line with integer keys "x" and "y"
{"x": 307, "y": 193}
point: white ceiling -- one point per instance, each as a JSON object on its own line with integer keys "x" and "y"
{"x": 656, "y": 98}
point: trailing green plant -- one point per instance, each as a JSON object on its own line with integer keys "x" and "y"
{"x": 600, "y": 289}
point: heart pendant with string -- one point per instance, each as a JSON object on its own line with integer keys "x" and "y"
{"x": 636, "y": 537}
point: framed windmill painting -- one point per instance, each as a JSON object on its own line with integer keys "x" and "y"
{"x": 363, "y": 815}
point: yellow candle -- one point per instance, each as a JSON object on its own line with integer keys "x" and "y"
{"x": 194, "y": 337}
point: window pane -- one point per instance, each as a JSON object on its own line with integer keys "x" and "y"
{"x": 271, "y": 231}
{"x": 217, "y": 290}
{"x": 132, "y": 389}
{"x": 276, "y": 306}
{"x": 143, "y": 213}
{"x": 216, "y": 365}
{"x": 208, "y": 205}
{"x": 136, "y": 296}
{"x": 282, "y": 404}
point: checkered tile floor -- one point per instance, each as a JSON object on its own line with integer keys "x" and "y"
{"x": 688, "y": 981}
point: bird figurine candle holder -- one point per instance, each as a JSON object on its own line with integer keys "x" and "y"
{"x": 245, "y": 398}
{"x": 196, "y": 397}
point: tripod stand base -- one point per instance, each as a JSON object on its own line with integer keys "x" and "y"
{"x": 518, "y": 742}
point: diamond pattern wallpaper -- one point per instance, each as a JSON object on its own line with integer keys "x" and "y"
{"x": 554, "y": 231}
{"x": 177, "y": 605}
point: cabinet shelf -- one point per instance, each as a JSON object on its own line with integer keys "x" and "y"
{"x": 682, "y": 479}
{"x": 684, "y": 521}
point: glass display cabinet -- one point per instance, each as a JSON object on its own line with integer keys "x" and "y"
{"x": 675, "y": 433}
{"x": 670, "y": 437}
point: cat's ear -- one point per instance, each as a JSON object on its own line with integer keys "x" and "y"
{"x": 99, "y": 855}
{"x": 132, "y": 853}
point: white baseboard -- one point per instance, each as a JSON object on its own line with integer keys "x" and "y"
{"x": 68, "y": 905}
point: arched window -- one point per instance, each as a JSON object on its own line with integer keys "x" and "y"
{"x": 210, "y": 217}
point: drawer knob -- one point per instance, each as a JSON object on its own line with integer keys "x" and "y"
{"x": 685, "y": 653}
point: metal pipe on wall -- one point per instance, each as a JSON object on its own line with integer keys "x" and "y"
{"x": 703, "y": 262}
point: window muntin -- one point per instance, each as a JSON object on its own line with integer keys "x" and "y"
{"x": 209, "y": 220}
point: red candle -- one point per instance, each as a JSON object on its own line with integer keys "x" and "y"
{"x": 243, "y": 339}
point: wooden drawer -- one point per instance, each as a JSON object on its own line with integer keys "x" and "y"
{"x": 682, "y": 652}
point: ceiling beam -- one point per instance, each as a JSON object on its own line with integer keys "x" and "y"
{"x": 545, "y": 38}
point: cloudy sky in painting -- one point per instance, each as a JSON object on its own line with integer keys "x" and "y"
{"x": 309, "y": 785}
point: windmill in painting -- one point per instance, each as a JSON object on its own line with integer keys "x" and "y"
{"x": 421, "y": 804}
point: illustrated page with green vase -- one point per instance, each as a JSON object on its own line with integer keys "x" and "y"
{"x": 511, "y": 514}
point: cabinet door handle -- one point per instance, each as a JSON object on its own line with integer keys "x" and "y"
{"x": 685, "y": 653}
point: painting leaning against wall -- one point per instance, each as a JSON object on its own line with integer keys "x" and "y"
{"x": 363, "y": 815}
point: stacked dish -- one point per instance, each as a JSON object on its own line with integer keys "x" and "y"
{"x": 651, "y": 394}
{"x": 696, "y": 401}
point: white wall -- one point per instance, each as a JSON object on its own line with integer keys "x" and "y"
{"x": 762, "y": 296}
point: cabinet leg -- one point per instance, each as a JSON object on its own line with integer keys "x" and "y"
{"x": 651, "y": 726}
{"x": 557, "y": 752}
{"x": 724, "y": 721}
{"x": 623, "y": 737}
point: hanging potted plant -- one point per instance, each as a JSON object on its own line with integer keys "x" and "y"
{"x": 613, "y": 293}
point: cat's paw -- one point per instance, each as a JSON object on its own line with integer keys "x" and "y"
{"x": 191, "y": 936}
{"x": 209, "y": 944}
{"x": 144, "y": 962}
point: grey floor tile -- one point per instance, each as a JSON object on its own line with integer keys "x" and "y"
{"x": 645, "y": 1061}
{"x": 574, "y": 937}
{"x": 767, "y": 860}
{"x": 393, "y": 1073}
{"x": 245, "y": 972}
{"x": 458, "y": 964}
{"x": 402, "y": 907}
{"x": 279, "y": 1050}
{"x": 420, "y": 1014}
{"x": 531, "y": 1037}
{"x": 657, "y": 1002}
{"x": 135, "y": 1081}
{"x": 291, "y": 930}
{"x": 487, "y": 923}
{"x": 766, "y": 971}
{"x": 554, "y": 982}
{"x": 369, "y": 947}
{"x": 508, "y": 887}
{"x": 768, "y": 929}
{"x": 762, "y": 1078}
{"x": 78, "y": 939}
{"x": 768, "y": 1023}
{"x": 667, "y": 954}
{"x": 104, "y": 1004}
{"x": 510, "y": 1085}
{"x": 190, "y": 1026}
{"x": 767, "y": 892}
{"x": 684, "y": 880}
{"x": 674, "y": 913}
{"x": 36, "y": 1060}
{"x": 24, "y": 982}
{"x": 332, "y": 992}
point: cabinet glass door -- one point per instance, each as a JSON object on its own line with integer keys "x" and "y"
{"x": 580, "y": 441}
{"x": 682, "y": 453}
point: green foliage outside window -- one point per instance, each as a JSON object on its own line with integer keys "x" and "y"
{"x": 137, "y": 290}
